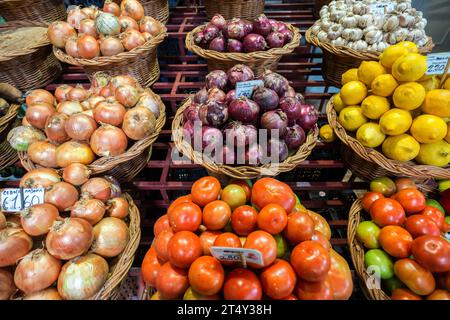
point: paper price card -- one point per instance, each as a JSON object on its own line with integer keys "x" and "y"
{"x": 379, "y": 8}
{"x": 237, "y": 254}
{"x": 437, "y": 62}
{"x": 246, "y": 88}
{"x": 13, "y": 200}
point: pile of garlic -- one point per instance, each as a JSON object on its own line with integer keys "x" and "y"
{"x": 351, "y": 23}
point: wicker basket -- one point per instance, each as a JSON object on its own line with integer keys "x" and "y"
{"x": 368, "y": 159}
{"x": 32, "y": 67}
{"x": 35, "y": 10}
{"x": 140, "y": 63}
{"x": 158, "y": 9}
{"x": 257, "y": 61}
{"x": 125, "y": 166}
{"x": 239, "y": 172}
{"x": 229, "y": 9}
{"x": 318, "y": 4}
{"x": 339, "y": 59}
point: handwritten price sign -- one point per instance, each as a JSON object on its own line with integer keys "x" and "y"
{"x": 437, "y": 62}
{"x": 13, "y": 200}
{"x": 237, "y": 254}
{"x": 381, "y": 8}
{"x": 246, "y": 88}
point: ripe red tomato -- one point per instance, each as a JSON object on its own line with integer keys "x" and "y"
{"x": 228, "y": 239}
{"x": 206, "y": 275}
{"x": 439, "y": 295}
{"x": 369, "y": 198}
{"x": 278, "y": 280}
{"x": 386, "y": 212}
{"x": 435, "y": 214}
{"x": 184, "y": 248}
{"x": 432, "y": 253}
{"x": 186, "y": 216}
{"x": 160, "y": 244}
{"x": 311, "y": 261}
{"x": 182, "y": 199}
{"x": 171, "y": 282}
{"x": 300, "y": 227}
{"x": 243, "y": 220}
{"x": 161, "y": 224}
{"x": 207, "y": 239}
{"x": 418, "y": 279}
{"x": 405, "y": 183}
{"x": 412, "y": 200}
{"x": 150, "y": 267}
{"x": 396, "y": 241}
{"x": 321, "y": 239}
{"x": 317, "y": 290}
{"x": 340, "y": 277}
{"x": 216, "y": 215}
{"x": 264, "y": 243}
{"x": 404, "y": 294}
{"x": 242, "y": 284}
{"x": 205, "y": 190}
{"x": 272, "y": 218}
{"x": 268, "y": 190}
{"x": 246, "y": 185}
{"x": 419, "y": 225}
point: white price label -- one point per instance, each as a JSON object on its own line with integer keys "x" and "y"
{"x": 246, "y": 88}
{"x": 237, "y": 254}
{"x": 13, "y": 200}
{"x": 437, "y": 62}
{"x": 381, "y": 8}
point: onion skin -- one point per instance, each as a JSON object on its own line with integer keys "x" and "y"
{"x": 254, "y": 154}
{"x": 276, "y": 82}
{"x": 244, "y": 110}
{"x": 211, "y": 138}
{"x": 37, "y": 114}
{"x": 236, "y": 131}
{"x": 91, "y": 210}
{"x": 110, "y": 112}
{"x": 7, "y": 287}
{"x": 74, "y": 17}
{"x": 76, "y": 174}
{"x": 213, "y": 114}
{"x": 138, "y": 123}
{"x": 97, "y": 188}
{"x": 215, "y": 94}
{"x": 201, "y": 96}
{"x": 118, "y": 208}
{"x": 132, "y": 8}
{"x": 58, "y": 32}
{"x": 234, "y": 45}
{"x": 111, "y": 46}
{"x": 279, "y": 147}
{"x": 216, "y": 79}
{"x": 2, "y": 221}
{"x": 38, "y": 219}
{"x": 110, "y": 237}
{"x": 54, "y": 128}
{"x": 107, "y": 24}
{"x": 62, "y": 195}
{"x": 43, "y": 153}
{"x": 266, "y": 98}
{"x": 71, "y": 47}
{"x": 150, "y": 25}
{"x": 69, "y": 238}
{"x": 14, "y": 244}
{"x": 69, "y": 107}
{"x": 73, "y": 281}
{"x": 231, "y": 96}
{"x": 275, "y": 120}
{"x": 39, "y": 96}
{"x": 74, "y": 152}
{"x": 46, "y": 294}
{"x": 254, "y": 42}
{"x": 62, "y": 91}
{"x": 80, "y": 127}
{"x": 294, "y": 137}
{"x": 210, "y": 32}
{"x": 148, "y": 101}
{"x": 275, "y": 40}
{"x": 308, "y": 117}
{"x": 87, "y": 26}
{"x": 262, "y": 26}
{"x": 108, "y": 141}
{"x": 217, "y": 44}
{"x": 235, "y": 29}
{"x": 127, "y": 23}
{"x": 131, "y": 39}
{"x": 127, "y": 95}
{"x": 111, "y": 7}
{"x": 88, "y": 47}
{"x": 40, "y": 178}
{"x": 36, "y": 271}
{"x": 78, "y": 94}
{"x": 218, "y": 21}
{"x": 292, "y": 108}
{"x": 239, "y": 73}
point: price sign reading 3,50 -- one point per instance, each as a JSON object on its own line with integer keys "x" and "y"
{"x": 13, "y": 200}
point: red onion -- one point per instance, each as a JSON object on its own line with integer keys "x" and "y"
{"x": 254, "y": 154}
{"x": 273, "y": 23}
{"x": 201, "y": 96}
{"x": 229, "y": 155}
{"x": 235, "y": 29}
{"x": 294, "y": 137}
{"x": 279, "y": 26}
{"x": 231, "y": 95}
{"x": 218, "y": 21}
{"x": 215, "y": 94}
{"x": 217, "y": 44}
{"x": 276, "y": 82}
{"x": 216, "y": 79}
{"x": 292, "y": 108}
{"x": 266, "y": 98}
{"x": 188, "y": 130}
{"x": 262, "y": 26}
{"x": 199, "y": 39}
{"x": 308, "y": 117}
{"x": 237, "y": 132}
{"x": 275, "y": 39}
{"x": 239, "y": 73}
{"x": 287, "y": 35}
{"x": 210, "y": 32}
{"x": 254, "y": 42}
{"x": 234, "y": 45}
{"x": 211, "y": 137}
{"x": 248, "y": 26}
{"x": 290, "y": 92}
{"x": 191, "y": 113}
{"x": 300, "y": 98}
{"x": 279, "y": 147}
{"x": 244, "y": 110}
{"x": 213, "y": 114}
{"x": 275, "y": 119}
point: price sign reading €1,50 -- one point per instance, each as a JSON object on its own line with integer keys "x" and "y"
{"x": 246, "y": 88}
{"x": 13, "y": 200}
{"x": 437, "y": 62}
{"x": 237, "y": 254}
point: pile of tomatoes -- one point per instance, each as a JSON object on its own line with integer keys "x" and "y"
{"x": 406, "y": 242}
{"x": 297, "y": 259}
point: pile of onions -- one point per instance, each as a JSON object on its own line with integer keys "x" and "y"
{"x": 14, "y": 244}
{"x": 7, "y": 287}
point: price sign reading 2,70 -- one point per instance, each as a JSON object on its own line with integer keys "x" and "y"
{"x": 13, "y": 200}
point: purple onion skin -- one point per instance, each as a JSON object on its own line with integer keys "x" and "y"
{"x": 234, "y": 29}
{"x": 213, "y": 114}
{"x": 240, "y": 133}
{"x": 292, "y": 108}
{"x": 116, "y": 190}
{"x": 244, "y": 110}
{"x": 276, "y": 82}
{"x": 294, "y": 137}
{"x": 211, "y": 137}
{"x": 273, "y": 120}
{"x": 216, "y": 79}
{"x": 188, "y": 130}
{"x": 248, "y": 26}
{"x": 210, "y": 31}
{"x": 218, "y": 21}
{"x": 201, "y": 96}
{"x": 217, "y": 44}
{"x": 254, "y": 154}
{"x": 228, "y": 155}
{"x": 278, "y": 26}
{"x": 300, "y": 98}
{"x": 254, "y": 42}
{"x": 215, "y": 94}
{"x": 275, "y": 40}
{"x": 199, "y": 39}
{"x": 273, "y": 23}
{"x": 279, "y": 147}
{"x": 309, "y": 116}
{"x": 239, "y": 73}
{"x": 266, "y": 98}
{"x": 231, "y": 95}
{"x": 262, "y": 26}
{"x": 191, "y": 113}
{"x": 290, "y": 93}
{"x": 288, "y": 36}
{"x": 234, "y": 45}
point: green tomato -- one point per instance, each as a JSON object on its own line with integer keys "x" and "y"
{"x": 281, "y": 245}
{"x": 297, "y": 200}
{"x": 367, "y": 232}
{"x": 436, "y": 204}
{"x": 384, "y": 185}
{"x": 447, "y": 219}
{"x": 443, "y": 185}
{"x": 392, "y": 283}
{"x": 381, "y": 261}
{"x": 234, "y": 195}
{"x": 190, "y": 294}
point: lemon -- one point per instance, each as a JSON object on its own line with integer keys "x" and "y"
{"x": 410, "y": 67}
{"x": 437, "y": 102}
{"x": 447, "y": 84}
{"x": 409, "y": 96}
{"x": 411, "y": 46}
{"x": 326, "y": 133}
{"x": 402, "y": 147}
{"x": 384, "y": 85}
{"x": 337, "y": 103}
{"x": 430, "y": 83}
{"x": 428, "y": 128}
{"x": 351, "y": 118}
{"x": 373, "y": 106}
{"x": 370, "y": 135}
{"x": 434, "y": 154}
{"x": 392, "y": 53}
{"x": 447, "y": 136}
{"x": 369, "y": 70}
{"x": 353, "y": 92}
{"x": 395, "y": 122}
{"x": 349, "y": 75}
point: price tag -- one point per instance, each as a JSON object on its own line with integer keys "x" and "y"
{"x": 237, "y": 254}
{"x": 437, "y": 62}
{"x": 246, "y": 88}
{"x": 379, "y": 8}
{"x": 13, "y": 200}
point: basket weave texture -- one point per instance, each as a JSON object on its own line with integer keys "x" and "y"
{"x": 229, "y": 9}
{"x": 32, "y": 67}
{"x": 239, "y": 172}
{"x": 258, "y": 61}
{"x": 35, "y": 10}
{"x": 158, "y": 9}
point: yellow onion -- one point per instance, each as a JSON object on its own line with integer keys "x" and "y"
{"x": 110, "y": 237}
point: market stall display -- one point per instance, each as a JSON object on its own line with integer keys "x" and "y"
{"x": 34, "y": 10}
{"x": 246, "y": 9}
{"x": 158, "y": 9}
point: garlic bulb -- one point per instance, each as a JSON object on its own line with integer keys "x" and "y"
{"x": 369, "y": 29}
{"x": 335, "y": 31}
{"x": 352, "y": 34}
{"x": 381, "y": 46}
{"x": 326, "y": 25}
{"x": 378, "y": 21}
{"x": 422, "y": 42}
{"x": 421, "y": 24}
{"x": 391, "y": 23}
{"x": 323, "y": 11}
{"x": 351, "y": 44}
{"x": 373, "y": 36}
{"x": 360, "y": 8}
{"x": 406, "y": 20}
{"x": 349, "y": 21}
{"x": 360, "y": 45}
{"x": 397, "y": 35}
{"x": 403, "y": 6}
{"x": 336, "y": 15}
{"x": 415, "y": 35}
{"x": 322, "y": 36}
{"x": 339, "y": 42}
{"x": 315, "y": 29}
{"x": 365, "y": 20}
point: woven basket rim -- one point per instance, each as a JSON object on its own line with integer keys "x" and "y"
{"x": 121, "y": 57}
{"x": 348, "y": 52}
{"x": 9, "y": 116}
{"x": 398, "y": 168}
{"x": 240, "y": 56}
{"x": 239, "y": 172}
{"x": 104, "y": 164}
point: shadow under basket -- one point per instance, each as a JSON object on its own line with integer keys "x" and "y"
{"x": 35, "y": 10}
{"x": 229, "y": 9}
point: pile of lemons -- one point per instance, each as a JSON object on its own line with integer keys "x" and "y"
{"x": 392, "y": 103}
